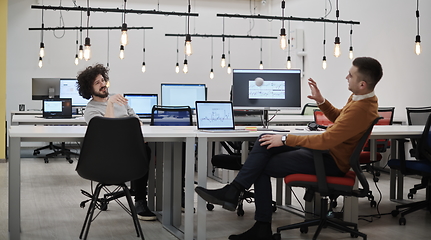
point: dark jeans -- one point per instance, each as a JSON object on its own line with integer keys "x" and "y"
{"x": 139, "y": 186}
{"x": 262, "y": 164}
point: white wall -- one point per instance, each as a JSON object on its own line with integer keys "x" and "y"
{"x": 387, "y": 33}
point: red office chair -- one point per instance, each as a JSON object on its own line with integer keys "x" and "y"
{"x": 330, "y": 187}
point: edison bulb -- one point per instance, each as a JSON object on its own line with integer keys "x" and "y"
{"x": 42, "y": 50}
{"x": 324, "y": 63}
{"x": 81, "y": 52}
{"x": 351, "y": 52}
{"x": 188, "y": 50}
{"x": 76, "y": 59}
{"x": 229, "y": 69}
{"x": 337, "y": 50}
{"x": 121, "y": 52}
{"x": 223, "y": 61}
{"x": 87, "y": 49}
{"x": 261, "y": 65}
{"x": 211, "y": 74}
{"x": 40, "y": 62}
{"x": 185, "y": 67}
{"x": 283, "y": 40}
{"x": 177, "y": 68}
{"x": 124, "y": 40}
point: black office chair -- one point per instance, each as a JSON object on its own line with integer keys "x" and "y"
{"x": 417, "y": 116}
{"x": 421, "y": 167}
{"x": 57, "y": 150}
{"x": 113, "y": 152}
{"x": 330, "y": 188}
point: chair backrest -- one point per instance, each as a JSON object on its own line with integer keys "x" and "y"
{"x": 424, "y": 143}
{"x": 320, "y": 118}
{"x": 308, "y": 108}
{"x": 417, "y": 115}
{"x": 113, "y": 151}
{"x": 171, "y": 116}
{"x": 388, "y": 115}
{"x": 355, "y": 164}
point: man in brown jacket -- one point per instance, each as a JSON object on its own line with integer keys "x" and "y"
{"x": 278, "y": 156}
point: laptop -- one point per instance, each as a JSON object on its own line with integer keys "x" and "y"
{"x": 215, "y": 116}
{"x": 57, "y": 108}
{"x": 142, "y": 104}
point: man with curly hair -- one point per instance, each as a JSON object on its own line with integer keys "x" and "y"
{"x": 93, "y": 83}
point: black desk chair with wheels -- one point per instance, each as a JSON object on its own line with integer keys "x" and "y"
{"x": 57, "y": 150}
{"x": 420, "y": 166}
{"x": 113, "y": 152}
{"x": 417, "y": 116}
{"x": 330, "y": 188}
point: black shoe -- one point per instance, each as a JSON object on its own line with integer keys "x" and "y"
{"x": 259, "y": 231}
{"x": 227, "y": 196}
{"x": 144, "y": 213}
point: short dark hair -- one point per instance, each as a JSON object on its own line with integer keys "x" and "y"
{"x": 370, "y": 69}
{"x": 86, "y": 79}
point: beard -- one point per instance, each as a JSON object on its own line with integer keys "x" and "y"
{"x": 101, "y": 94}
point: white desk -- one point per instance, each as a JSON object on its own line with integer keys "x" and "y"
{"x": 379, "y": 131}
{"x": 39, "y": 120}
{"x": 171, "y": 205}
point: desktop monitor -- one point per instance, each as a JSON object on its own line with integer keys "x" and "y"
{"x": 280, "y": 89}
{"x": 68, "y": 89}
{"x": 142, "y": 104}
{"x": 183, "y": 94}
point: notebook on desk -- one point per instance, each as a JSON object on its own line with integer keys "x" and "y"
{"x": 57, "y": 108}
{"x": 215, "y": 116}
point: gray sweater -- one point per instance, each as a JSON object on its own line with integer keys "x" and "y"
{"x": 95, "y": 109}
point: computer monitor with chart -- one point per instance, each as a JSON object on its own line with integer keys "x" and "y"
{"x": 142, "y": 103}
{"x": 268, "y": 89}
{"x": 68, "y": 90}
{"x": 174, "y": 94}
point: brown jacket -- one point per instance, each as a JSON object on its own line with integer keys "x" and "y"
{"x": 350, "y": 123}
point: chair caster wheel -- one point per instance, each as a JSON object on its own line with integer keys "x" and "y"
{"x": 46, "y": 160}
{"x": 375, "y": 179}
{"x": 378, "y": 174}
{"x": 410, "y": 196}
{"x": 395, "y": 213}
{"x": 373, "y": 204}
{"x": 69, "y": 160}
{"x": 402, "y": 221}
{"x": 276, "y": 236}
{"x": 104, "y": 206}
{"x": 210, "y": 207}
{"x": 35, "y": 152}
{"x": 240, "y": 212}
{"x": 334, "y": 204}
{"x": 303, "y": 229}
{"x": 274, "y": 208}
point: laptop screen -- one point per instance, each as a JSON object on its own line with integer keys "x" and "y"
{"x": 142, "y": 104}
{"x": 212, "y": 115}
{"x": 57, "y": 107}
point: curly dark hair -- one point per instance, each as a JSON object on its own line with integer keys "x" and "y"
{"x": 86, "y": 79}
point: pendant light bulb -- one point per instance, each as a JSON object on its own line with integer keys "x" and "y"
{"x": 121, "y": 52}
{"x": 212, "y": 74}
{"x": 42, "y": 50}
{"x": 177, "y": 68}
{"x": 229, "y": 69}
{"x": 351, "y": 52}
{"x": 337, "y": 50}
{"x": 81, "y": 52}
{"x": 185, "y": 68}
{"x": 40, "y": 62}
{"x": 324, "y": 63}
{"x": 223, "y": 60}
{"x": 124, "y": 38}
{"x": 76, "y": 59}
{"x": 418, "y": 47}
{"x": 261, "y": 65}
{"x": 144, "y": 68}
{"x": 87, "y": 49}
{"x": 283, "y": 40}
{"x": 188, "y": 50}
{"x": 289, "y": 63}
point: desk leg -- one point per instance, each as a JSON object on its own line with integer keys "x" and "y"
{"x": 151, "y": 179}
{"x": 202, "y": 181}
{"x": 189, "y": 188}
{"x": 14, "y": 189}
{"x": 167, "y": 185}
{"x": 159, "y": 173}
{"x": 177, "y": 183}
